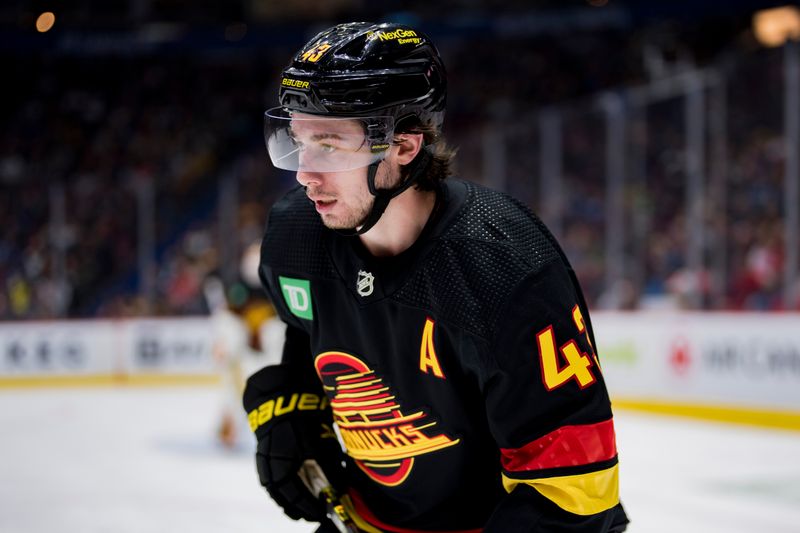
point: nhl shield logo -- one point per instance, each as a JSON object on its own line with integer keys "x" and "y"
{"x": 365, "y": 283}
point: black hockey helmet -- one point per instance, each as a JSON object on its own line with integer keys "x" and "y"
{"x": 389, "y": 77}
{"x": 360, "y": 69}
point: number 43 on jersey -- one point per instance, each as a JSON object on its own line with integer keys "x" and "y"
{"x": 567, "y": 362}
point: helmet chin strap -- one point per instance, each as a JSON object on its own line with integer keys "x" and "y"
{"x": 418, "y": 166}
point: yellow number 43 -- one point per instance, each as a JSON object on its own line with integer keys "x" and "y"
{"x": 578, "y": 364}
{"x": 315, "y": 53}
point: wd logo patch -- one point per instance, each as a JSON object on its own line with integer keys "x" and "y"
{"x": 381, "y": 438}
{"x": 297, "y": 295}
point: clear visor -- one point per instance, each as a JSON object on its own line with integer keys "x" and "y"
{"x": 312, "y": 143}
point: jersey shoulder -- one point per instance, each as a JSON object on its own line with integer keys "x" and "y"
{"x": 489, "y": 246}
{"x": 494, "y": 219}
{"x": 294, "y": 241}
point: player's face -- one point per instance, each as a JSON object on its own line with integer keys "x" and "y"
{"x": 341, "y": 198}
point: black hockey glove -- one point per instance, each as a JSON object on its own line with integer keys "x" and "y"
{"x": 292, "y": 420}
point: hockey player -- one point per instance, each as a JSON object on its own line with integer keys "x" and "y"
{"x": 243, "y": 326}
{"x": 435, "y": 323}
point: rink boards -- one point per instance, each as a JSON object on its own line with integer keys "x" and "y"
{"x": 87, "y": 352}
{"x": 742, "y": 367}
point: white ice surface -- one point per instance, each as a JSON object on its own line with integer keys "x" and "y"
{"x": 145, "y": 460}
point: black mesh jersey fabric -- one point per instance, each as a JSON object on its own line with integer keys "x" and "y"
{"x": 489, "y": 244}
{"x": 298, "y": 244}
{"x": 492, "y": 243}
{"x": 428, "y": 334}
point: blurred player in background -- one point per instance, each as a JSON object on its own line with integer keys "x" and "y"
{"x": 245, "y": 332}
{"x": 435, "y": 323}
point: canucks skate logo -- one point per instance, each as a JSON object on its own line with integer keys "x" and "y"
{"x": 365, "y": 283}
{"x": 382, "y": 439}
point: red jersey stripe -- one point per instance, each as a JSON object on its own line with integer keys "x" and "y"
{"x": 566, "y": 446}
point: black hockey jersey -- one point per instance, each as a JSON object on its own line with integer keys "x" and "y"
{"x": 462, "y": 373}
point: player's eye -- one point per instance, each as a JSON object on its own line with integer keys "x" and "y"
{"x": 327, "y": 148}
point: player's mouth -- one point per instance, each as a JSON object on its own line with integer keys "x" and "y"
{"x": 324, "y": 206}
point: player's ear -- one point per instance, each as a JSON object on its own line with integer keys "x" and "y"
{"x": 408, "y": 146}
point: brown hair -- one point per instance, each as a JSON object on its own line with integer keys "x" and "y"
{"x": 441, "y": 166}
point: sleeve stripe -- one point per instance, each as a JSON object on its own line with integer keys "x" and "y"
{"x": 584, "y": 494}
{"x": 566, "y": 446}
{"x": 561, "y": 472}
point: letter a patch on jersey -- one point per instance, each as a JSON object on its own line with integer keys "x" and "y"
{"x": 427, "y": 352}
{"x": 297, "y": 294}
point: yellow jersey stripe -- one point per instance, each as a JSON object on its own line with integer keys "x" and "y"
{"x": 582, "y": 494}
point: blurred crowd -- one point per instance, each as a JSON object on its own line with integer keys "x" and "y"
{"x": 108, "y": 159}
{"x": 94, "y": 145}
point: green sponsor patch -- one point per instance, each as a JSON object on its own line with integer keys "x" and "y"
{"x": 297, "y": 294}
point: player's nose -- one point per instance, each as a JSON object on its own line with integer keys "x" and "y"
{"x": 306, "y": 178}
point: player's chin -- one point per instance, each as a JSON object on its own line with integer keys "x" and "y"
{"x": 332, "y": 221}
